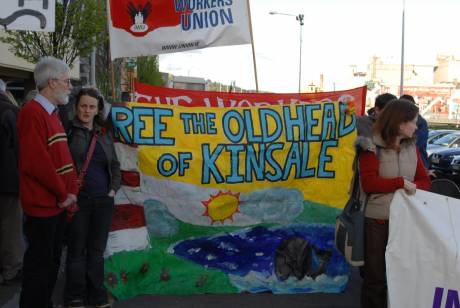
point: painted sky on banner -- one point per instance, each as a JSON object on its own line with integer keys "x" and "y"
{"x": 140, "y": 27}
{"x": 306, "y": 148}
{"x": 28, "y": 15}
{"x": 336, "y": 35}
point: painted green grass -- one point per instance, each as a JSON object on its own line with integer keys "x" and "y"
{"x": 155, "y": 271}
{"x": 317, "y": 213}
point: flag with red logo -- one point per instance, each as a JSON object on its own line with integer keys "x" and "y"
{"x": 151, "y": 27}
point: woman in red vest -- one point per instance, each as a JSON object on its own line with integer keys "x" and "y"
{"x": 388, "y": 161}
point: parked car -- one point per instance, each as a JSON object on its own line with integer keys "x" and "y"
{"x": 435, "y": 134}
{"x": 451, "y": 140}
{"x": 442, "y": 160}
{"x": 455, "y": 165}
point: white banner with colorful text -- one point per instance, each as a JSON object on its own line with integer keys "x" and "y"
{"x": 152, "y": 27}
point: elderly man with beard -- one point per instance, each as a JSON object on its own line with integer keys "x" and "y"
{"x": 47, "y": 181}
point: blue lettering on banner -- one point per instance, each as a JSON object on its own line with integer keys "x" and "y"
{"x": 206, "y": 19}
{"x": 266, "y": 136}
{"x": 203, "y": 14}
{"x": 325, "y": 158}
{"x": 343, "y": 128}
{"x": 255, "y": 138}
{"x": 235, "y": 150}
{"x": 227, "y": 123}
{"x": 123, "y": 118}
{"x": 164, "y": 161}
{"x": 209, "y": 164}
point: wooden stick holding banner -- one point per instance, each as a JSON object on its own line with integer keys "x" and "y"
{"x": 111, "y": 68}
{"x": 252, "y": 45}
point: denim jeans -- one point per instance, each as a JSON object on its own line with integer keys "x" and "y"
{"x": 86, "y": 242}
{"x": 42, "y": 259}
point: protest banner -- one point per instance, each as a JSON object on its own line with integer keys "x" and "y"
{"x": 28, "y": 15}
{"x": 225, "y": 193}
{"x": 423, "y": 269}
{"x": 152, "y": 27}
{"x": 193, "y": 98}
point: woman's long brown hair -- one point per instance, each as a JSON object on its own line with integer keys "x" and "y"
{"x": 395, "y": 113}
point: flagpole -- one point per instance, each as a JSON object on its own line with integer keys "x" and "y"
{"x": 111, "y": 67}
{"x": 252, "y": 44}
{"x": 401, "y": 84}
{"x": 112, "y": 77}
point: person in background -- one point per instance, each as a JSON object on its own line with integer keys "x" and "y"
{"x": 11, "y": 242}
{"x": 364, "y": 124}
{"x": 388, "y": 161}
{"x": 11, "y": 98}
{"x": 421, "y": 133}
{"x": 47, "y": 181}
{"x": 89, "y": 228}
{"x": 30, "y": 96}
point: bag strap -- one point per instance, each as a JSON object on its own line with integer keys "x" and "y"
{"x": 356, "y": 190}
{"x": 377, "y": 153}
{"x": 83, "y": 170}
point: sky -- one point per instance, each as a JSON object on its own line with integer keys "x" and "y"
{"x": 336, "y": 34}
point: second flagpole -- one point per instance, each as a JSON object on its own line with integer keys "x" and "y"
{"x": 252, "y": 44}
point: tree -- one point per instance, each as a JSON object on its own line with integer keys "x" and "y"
{"x": 80, "y": 25}
{"x": 147, "y": 71}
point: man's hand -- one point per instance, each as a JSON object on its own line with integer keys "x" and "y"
{"x": 111, "y": 193}
{"x": 71, "y": 198}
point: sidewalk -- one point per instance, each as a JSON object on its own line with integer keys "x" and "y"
{"x": 9, "y": 296}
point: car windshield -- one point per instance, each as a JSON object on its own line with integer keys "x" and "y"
{"x": 446, "y": 140}
{"x": 433, "y": 133}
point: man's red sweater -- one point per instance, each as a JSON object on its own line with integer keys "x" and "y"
{"x": 46, "y": 169}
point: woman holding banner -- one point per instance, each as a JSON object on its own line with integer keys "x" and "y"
{"x": 99, "y": 178}
{"x": 388, "y": 162}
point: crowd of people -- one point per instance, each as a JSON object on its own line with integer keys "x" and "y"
{"x": 58, "y": 183}
{"x": 57, "y": 188}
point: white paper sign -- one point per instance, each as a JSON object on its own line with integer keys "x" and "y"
{"x": 34, "y": 15}
{"x": 423, "y": 251}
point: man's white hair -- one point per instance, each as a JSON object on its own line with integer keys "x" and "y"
{"x": 49, "y": 68}
{"x": 2, "y": 86}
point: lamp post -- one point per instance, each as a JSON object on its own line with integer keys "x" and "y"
{"x": 299, "y": 18}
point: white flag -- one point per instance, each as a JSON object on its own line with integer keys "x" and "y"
{"x": 34, "y": 15}
{"x": 151, "y": 27}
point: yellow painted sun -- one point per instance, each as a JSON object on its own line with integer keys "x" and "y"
{"x": 222, "y": 206}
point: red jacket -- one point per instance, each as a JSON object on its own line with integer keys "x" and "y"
{"x": 46, "y": 169}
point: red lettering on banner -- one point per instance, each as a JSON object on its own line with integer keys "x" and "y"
{"x": 193, "y": 98}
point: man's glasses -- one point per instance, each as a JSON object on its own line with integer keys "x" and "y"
{"x": 66, "y": 81}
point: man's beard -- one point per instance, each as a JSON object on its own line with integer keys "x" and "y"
{"x": 62, "y": 98}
